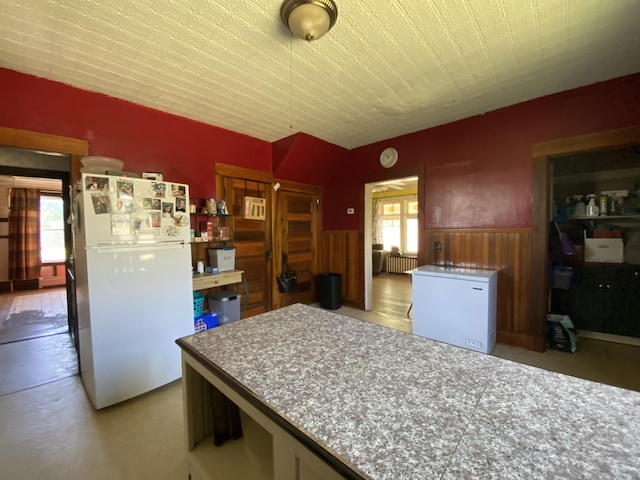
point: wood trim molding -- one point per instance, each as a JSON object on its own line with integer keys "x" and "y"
{"x": 588, "y": 142}
{"x": 74, "y": 147}
{"x": 475, "y": 230}
{"x": 43, "y": 141}
{"x": 242, "y": 172}
{"x": 299, "y": 187}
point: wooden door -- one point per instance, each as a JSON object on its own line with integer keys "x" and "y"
{"x": 296, "y": 234}
{"x": 251, "y": 238}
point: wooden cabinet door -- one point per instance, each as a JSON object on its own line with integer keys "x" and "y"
{"x": 296, "y": 234}
{"x": 252, "y": 240}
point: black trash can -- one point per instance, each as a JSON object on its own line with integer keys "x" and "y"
{"x": 330, "y": 285}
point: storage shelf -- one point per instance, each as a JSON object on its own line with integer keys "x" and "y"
{"x": 226, "y": 462}
{"x": 202, "y": 281}
{"x": 607, "y": 217}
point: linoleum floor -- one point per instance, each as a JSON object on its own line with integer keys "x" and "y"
{"x": 50, "y": 430}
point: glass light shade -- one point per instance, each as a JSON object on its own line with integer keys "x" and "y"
{"x": 309, "y": 22}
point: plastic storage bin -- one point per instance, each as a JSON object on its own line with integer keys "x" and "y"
{"x": 198, "y": 303}
{"x": 222, "y": 258}
{"x": 226, "y": 305}
{"x": 330, "y": 290}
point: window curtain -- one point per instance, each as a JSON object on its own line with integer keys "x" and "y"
{"x": 24, "y": 234}
{"x": 376, "y": 229}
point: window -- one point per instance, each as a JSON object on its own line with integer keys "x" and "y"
{"x": 51, "y": 229}
{"x": 398, "y": 220}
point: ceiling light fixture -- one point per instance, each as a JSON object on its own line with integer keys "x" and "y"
{"x": 309, "y": 19}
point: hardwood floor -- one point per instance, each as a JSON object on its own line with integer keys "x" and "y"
{"x": 391, "y": 301}
{"x": 32, "y": 314}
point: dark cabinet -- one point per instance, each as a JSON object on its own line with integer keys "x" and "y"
{"x": 606, "y": 299}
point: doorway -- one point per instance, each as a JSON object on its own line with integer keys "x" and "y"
{"x": 391, "y": 181}
{"x": 543, "y": 155}
{"x": 37, "y": 342}
{"x": 60, "y": 157}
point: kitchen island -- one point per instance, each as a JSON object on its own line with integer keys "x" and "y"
{"x": 325, "y": 396}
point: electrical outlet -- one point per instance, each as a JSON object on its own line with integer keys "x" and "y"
{"x": 473, "y": 344}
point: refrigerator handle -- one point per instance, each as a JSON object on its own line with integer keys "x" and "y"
{"x": 129, "y": 247}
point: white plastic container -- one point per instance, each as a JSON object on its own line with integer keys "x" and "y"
{"x": 223, "y": 258}
{"x": 226, "y": 305}
{"x": 603, "y": 250}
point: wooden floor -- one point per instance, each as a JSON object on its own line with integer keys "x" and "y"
{"x": 391, "y": 295}
{"x": 49, "y": 301}
{"x": 32, "y": 313}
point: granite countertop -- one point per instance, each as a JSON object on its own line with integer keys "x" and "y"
{"x": 398, "y": 406}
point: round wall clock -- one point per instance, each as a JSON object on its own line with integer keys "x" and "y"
{"x": 388, "y": 157}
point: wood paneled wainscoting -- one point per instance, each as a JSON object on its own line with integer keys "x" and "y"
{"x": 340, "y": 255}
{"x": 506, "y": 250}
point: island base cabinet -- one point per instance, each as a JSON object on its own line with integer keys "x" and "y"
{"x": 265, "y": 450}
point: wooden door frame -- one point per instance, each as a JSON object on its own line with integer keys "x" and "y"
{"x": 223, "y": 170}
{"x": 295, "y": 187}
{"x": 541, "y": 153}
{"x": 74, "y": 147}
{"x": 402, "y": 172}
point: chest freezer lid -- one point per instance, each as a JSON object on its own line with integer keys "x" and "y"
{"x": 474, "y": 274}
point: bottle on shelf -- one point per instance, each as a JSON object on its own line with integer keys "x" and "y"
{"x": 581, "y": 209}
{"x": 604, "y": 202}
{"x": 592, "y": 210}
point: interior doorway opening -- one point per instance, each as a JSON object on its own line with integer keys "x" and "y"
{"x": 409, "y": 181}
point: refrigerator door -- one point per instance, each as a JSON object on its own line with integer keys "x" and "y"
{"x": 136, "y": 303}
{"x": 131, "y": 210}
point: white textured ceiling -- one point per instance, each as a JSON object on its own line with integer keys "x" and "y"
{"x": 387, "y": 68}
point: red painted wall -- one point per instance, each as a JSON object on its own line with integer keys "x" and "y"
{"x": 145, "y": 139}
{"x": 478, "y": 170}
{"x": 306, "y": 159}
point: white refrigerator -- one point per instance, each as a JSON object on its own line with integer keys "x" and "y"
{"x": 133, "y": 283}
{"x": 456, "y": 306}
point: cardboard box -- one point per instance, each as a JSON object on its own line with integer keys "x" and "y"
{"x": 224, "y": 258}
{"x": 607, "y": 233}
{"x": 605, "y": 250}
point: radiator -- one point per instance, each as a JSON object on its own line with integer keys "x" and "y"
{"x": 401, "y": 264}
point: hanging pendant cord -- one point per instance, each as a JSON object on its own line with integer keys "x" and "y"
{"x": 291, "y": 81}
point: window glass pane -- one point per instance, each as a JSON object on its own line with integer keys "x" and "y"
{"x": 391, "y": 208}
{"x": 51, "y": 229}
{"x": 390, "y": 232}
{"x": 412, "y": 235}
{"x": 397, "y": 221}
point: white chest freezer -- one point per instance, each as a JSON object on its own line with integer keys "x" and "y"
{"x": 455, "y": 306}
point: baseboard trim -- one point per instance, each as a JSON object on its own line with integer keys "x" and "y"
{"x": 515, "y": 339}
{"x": 608, "y": 337}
